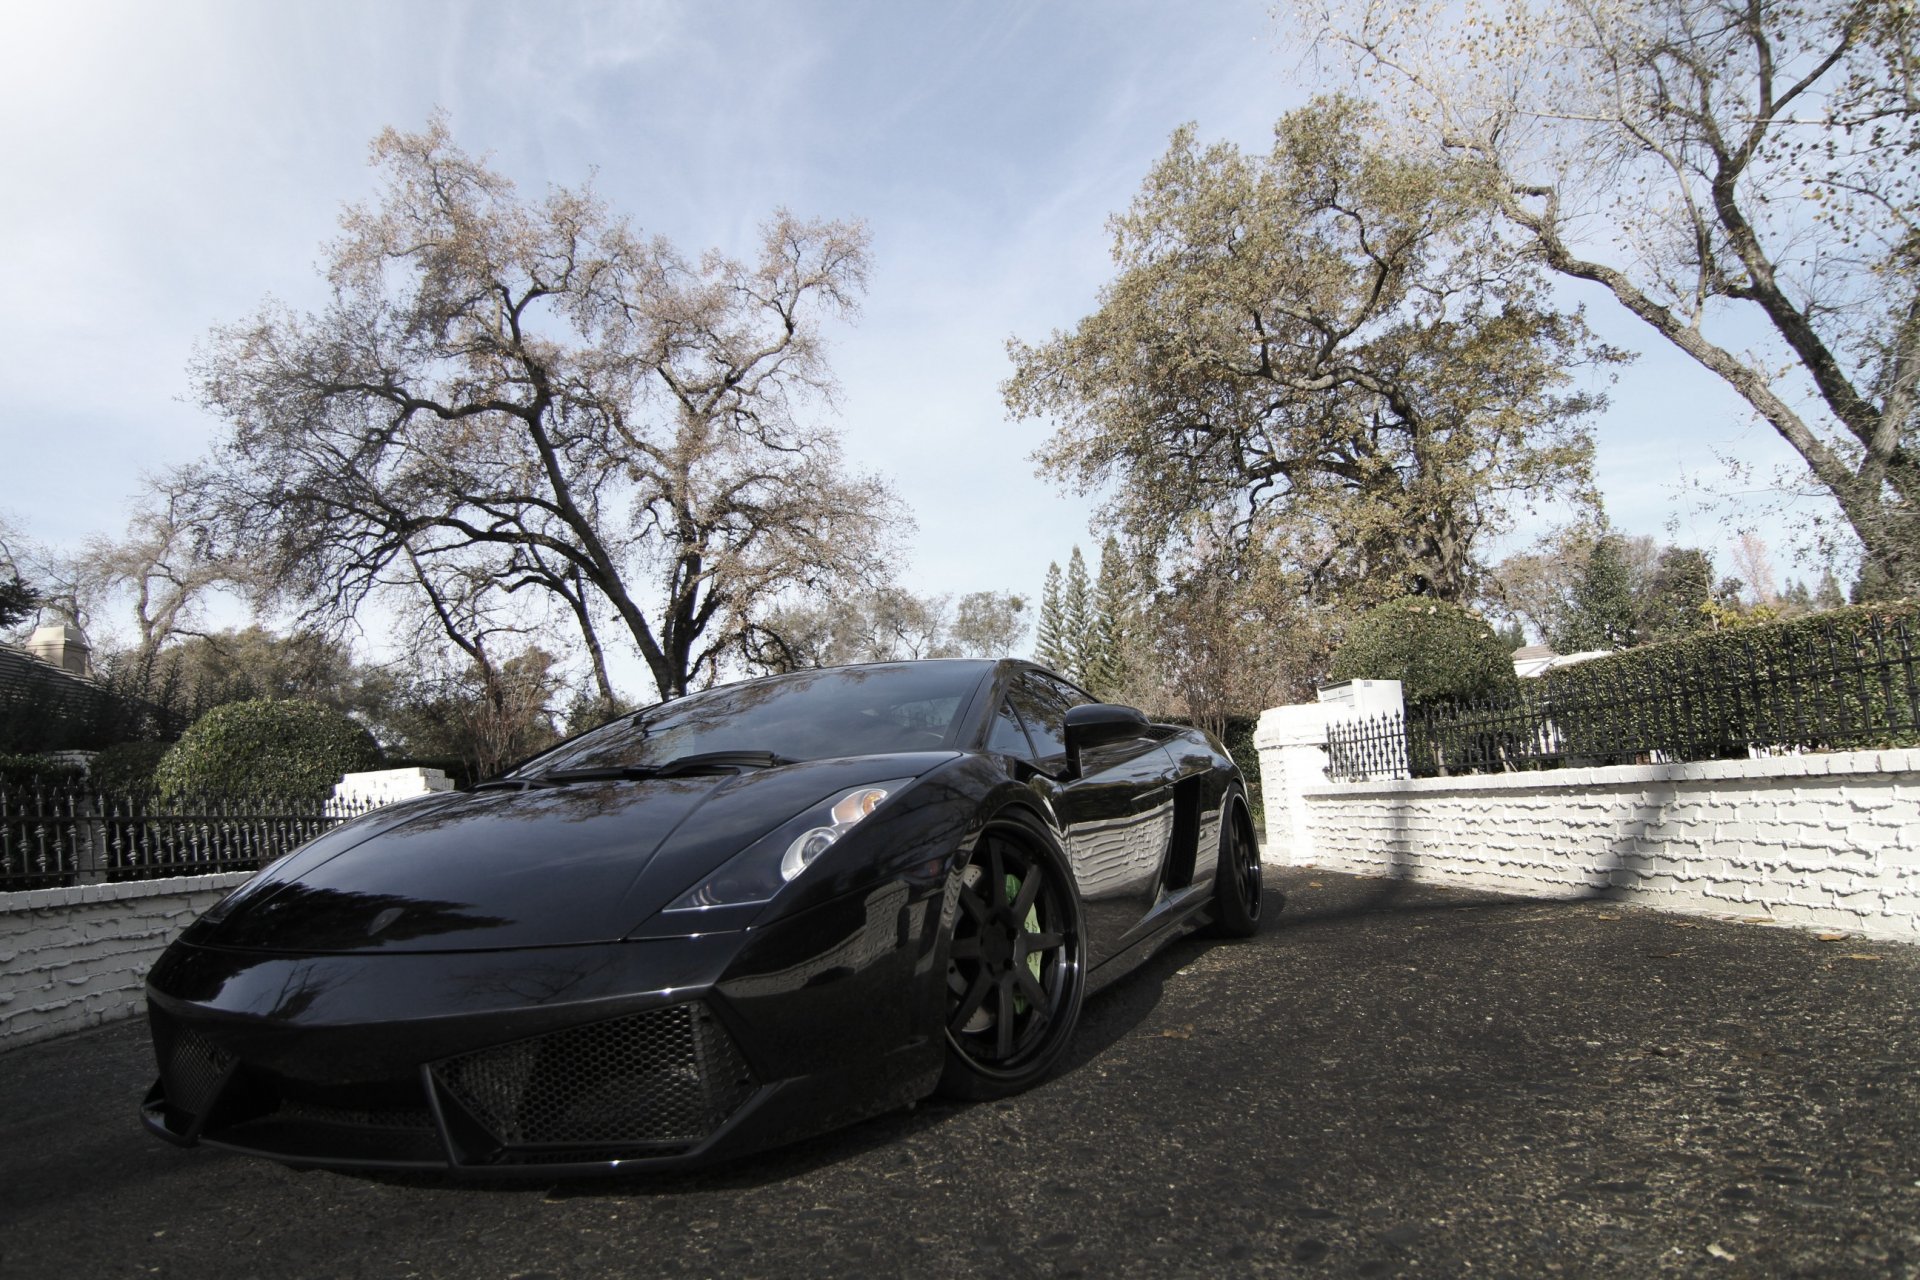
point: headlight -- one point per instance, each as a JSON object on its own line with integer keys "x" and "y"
{"x": 776, "y": 858}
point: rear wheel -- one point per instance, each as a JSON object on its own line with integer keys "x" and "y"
{"x": 1236, "y": 882}
{"x": 1015, "y": 966}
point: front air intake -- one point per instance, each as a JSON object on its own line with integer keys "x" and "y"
{"x": 667, "y": 1077}
{"x": 192, "y": 1068}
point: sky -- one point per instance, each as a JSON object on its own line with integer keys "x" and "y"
{"x": 172, "y": 166}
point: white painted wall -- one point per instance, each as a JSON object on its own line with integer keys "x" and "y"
{"x": 74, "y": 958}
{"x": 1829, "y": 841}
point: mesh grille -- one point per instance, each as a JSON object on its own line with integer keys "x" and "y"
{"x": 191, "y": 1066}
{"x": 668, "y": 1075}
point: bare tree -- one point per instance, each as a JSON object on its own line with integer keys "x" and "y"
{"x": 1711, "y": 164}
{"x": 987, "y": 624}
{"x": 531, "y": 389}
{"x": 19, "y": 595}
{"x": 165, "y": 568}
{"x": 888, "y": 624}
{"x": 1754, "y": 565}
{"x": 1231, "y": 635}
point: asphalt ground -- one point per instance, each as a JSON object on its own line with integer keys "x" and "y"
{"x": 1389, "y": 1080}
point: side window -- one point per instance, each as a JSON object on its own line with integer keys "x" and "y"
{"x": 1074, "y": 697}
{"x": 1006, "y": 736}
{"x": 1042, "y": 705}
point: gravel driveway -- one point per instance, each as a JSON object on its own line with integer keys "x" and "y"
{"x": 1390, "y": 1080}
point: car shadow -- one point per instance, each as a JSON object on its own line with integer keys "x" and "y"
{"x": 1400, "y": 895}
{"x": 1106, "y": 1019}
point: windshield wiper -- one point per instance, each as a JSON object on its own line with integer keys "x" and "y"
{"x": 700, "y": 762}
{"x": 515, "y": 784}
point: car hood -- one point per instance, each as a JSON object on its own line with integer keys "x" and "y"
{"x": 582, "y": 863}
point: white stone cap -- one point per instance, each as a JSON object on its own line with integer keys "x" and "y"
{"x": 1303, "y": 725}
{"x": 1362, "y": 697}
{"x": 384, "y": 786}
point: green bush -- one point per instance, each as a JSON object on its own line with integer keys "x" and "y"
{"x": 18, "y": 770}
{"x": 127, "y": 767}
{"x": 1846, "y": 677}
{"x": 285, "y": 748}
{"x": 1438, "y": 652}
{"x": 1239, "y": 744}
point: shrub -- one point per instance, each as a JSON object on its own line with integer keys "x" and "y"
{"x": 286, "y": 748}
{"x": 1438, "y": 652}
{"x": 1844, "y": 677}
{"x": 127, "y": 767}
{"x": 1239, "y": 744}
{"x": 19, "y": 770}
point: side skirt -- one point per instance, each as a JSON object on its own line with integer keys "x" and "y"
{"x": 1182, "y": 916}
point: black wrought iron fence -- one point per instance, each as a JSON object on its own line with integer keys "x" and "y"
{"x": 1426, "y": 742}
{"x": 1811, "y": 688}
{"x": 55, "y": 835}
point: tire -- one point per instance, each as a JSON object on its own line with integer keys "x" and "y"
{"x": 1236, "y": 879}
{"x": 1016, "y": 966}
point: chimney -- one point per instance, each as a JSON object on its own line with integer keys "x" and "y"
{"x": 62, "y": 645}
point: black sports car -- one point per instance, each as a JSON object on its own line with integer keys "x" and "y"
{"x": 727, "y": 921}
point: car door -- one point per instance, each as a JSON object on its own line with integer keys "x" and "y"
{"x": 1117, "y": 812}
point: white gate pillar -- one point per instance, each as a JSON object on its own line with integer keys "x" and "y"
{"x": 1292, "y": 742}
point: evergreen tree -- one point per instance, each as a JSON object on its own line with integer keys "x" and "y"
{"x": 1107, "y": 667}
{"x": 1050, "y": 644}
{"x": 1076, "y": 618}
{"x": 1602, "y": 615}
{"x": 17, "y": 600}
{"x": 1828, "y": 594}
{"x": 1676, "y": 595}
{"x": 1873, "y": 584}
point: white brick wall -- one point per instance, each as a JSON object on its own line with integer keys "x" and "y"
{"x": 1826, "y": 841}
{"x": 74, "y": 958}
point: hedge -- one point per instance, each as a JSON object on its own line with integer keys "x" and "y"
{"x": 263, "y": 747}
{"x": 21, "y": 770}
{"x": 127, "y": 768}
{"x": 1846, "y": 677}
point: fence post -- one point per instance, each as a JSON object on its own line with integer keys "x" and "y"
{"x": 90, "y": 859}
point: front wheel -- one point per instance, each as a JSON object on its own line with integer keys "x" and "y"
{"x": 1016, "y": 966}
{"x": 1236, "y": 881}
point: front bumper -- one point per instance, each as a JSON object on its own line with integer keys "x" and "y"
{"x": 656, "y": 1054}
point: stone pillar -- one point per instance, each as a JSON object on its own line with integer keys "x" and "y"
{"x": 1293, "y": 755}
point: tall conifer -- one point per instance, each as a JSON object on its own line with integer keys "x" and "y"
{"x": 1076, "y": 618}
{"x": 1050, "y": 646}
{"x": 1113, "y": 619}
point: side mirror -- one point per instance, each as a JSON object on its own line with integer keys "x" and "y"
{"x": 1093, "y": 723}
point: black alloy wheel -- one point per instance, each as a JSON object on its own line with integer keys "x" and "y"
{"x": 1236, "y": 882}
{"x": 1016, "y": 966}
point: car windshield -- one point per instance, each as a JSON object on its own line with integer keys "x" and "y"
{"x": 806, "y": 715}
